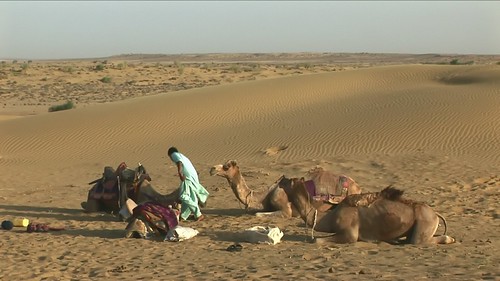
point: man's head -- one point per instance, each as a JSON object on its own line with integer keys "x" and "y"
{"x": 172, "y": 150}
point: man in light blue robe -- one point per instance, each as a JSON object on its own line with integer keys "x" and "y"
{"x": 192, "y": 193}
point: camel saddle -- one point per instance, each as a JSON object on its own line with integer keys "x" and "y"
{"x": 331, "y": 192}
{"x": 105, "y": 188}
{"x": 113, "y": 188}
{"x": 328, "y": 188}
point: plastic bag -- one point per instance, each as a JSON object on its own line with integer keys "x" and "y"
{"x": 180, "y": 233}
{"x": 261, "y": 234}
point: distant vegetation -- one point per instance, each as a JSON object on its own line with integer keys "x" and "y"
{"x": 452, "y": 62}
{"x": 67, "y": 69}
{"x": 64, "y": 106}
{"x": 457, "y": 62}
{"x": 180, "y": 67}
{"x": 99, "y": 67}
{"x": 235, "y": 68}
{"x": 122, "y": 65}
{"x": 105, "y": 79}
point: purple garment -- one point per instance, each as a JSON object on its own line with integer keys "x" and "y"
{"x": 167, "y": 215}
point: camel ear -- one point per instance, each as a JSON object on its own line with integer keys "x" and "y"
{"x": 233, "y": 163}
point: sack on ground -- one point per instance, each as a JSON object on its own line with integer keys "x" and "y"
{"x": 261, "y": 234}
{"x": 180, "y": 233}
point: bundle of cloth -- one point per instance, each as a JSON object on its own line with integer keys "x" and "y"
{"x": 152, "y": 219}
{"x": 41, "y": 227}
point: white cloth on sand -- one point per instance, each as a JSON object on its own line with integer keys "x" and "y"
{"x": 261, "y": 234}
{"x": 180, "y": 233}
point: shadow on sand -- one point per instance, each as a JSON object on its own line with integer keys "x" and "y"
{"x": 56, "y": 213}
{"x": 97, "y": 233}
{"x": 225, "y": 212}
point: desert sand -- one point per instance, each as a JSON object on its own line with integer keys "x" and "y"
{"x": 429, "y": 128}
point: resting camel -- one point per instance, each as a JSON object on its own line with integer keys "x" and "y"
{"x": 379, "y": 216}
{"x": 275, "y": 201}
{"x": 110, "y": 192}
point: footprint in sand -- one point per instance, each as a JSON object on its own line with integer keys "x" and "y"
{"x": 275, "y": 149}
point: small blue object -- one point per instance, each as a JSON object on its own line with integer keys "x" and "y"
{"x": 7, "y": 225}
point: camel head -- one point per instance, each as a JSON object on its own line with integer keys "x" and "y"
{"x": 227, "y": 170}
{"x": 300, "y": 198}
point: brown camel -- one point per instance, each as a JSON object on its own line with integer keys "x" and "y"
{"x": 379, "y": 216}
{"x": 275, "y": 201}
{"x": 110, "y": 192}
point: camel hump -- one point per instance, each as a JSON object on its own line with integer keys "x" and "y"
{"x": 391, "y": 193}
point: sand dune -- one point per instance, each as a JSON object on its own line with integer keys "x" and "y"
{"x": 396, "y": 109}
{"x": 433, "y": 130}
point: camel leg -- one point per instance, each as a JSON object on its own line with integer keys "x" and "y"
{"x": 339, "y": 238}
{"x": 426, "y": 226}
{"x": 349, "y": 236}
{"x": 443, "y": 239}
{"x": 295, "y": 212}
{"x": 270, "y": 214}
{"x": 347, "y": 230}
{"x": 279, "y": 201}
{"x": 284, "y": 213}
{"x": 91, "y": 206}
{"x": 423, "y": 234}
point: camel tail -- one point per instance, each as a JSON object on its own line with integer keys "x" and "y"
{"x": 444, "y": 222}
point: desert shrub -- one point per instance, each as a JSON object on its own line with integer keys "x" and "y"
{"x": 99, "y": 67}
{"x": 456, "y": 62}
{"x": 64, "y": 106}
{"x": 68, "y": 69}
{"x": 122, "y": 65}
{"x": 179, "y": 66}
{"x": 306, "y": 65}
{"x": 105, "y": 79}
{"x": 255, "y": 66}
{"x": 235, "y": 68}
{"x": 180, "y": 69}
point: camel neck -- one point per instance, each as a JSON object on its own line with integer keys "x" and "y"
{"x": 310, "y": 216}
{"x": 241, "y": 190}
{"x": 305, "y": 208}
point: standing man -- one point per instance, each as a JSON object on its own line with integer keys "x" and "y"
{"x": 192, "y": 193}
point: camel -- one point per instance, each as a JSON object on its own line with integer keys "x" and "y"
{"x": 378, "y": 216}
{"x": 275, "y": 201}
{"x": 110, "y": 193}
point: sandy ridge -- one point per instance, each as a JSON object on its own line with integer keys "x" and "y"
{"x": 431, "y": 130}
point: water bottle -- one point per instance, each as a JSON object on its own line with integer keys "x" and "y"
{"x": 22, "y": 222}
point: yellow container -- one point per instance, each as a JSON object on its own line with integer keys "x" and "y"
{"x": 21, "y": 222}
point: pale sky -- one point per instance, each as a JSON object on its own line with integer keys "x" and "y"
{"x": 90, "y": 29}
